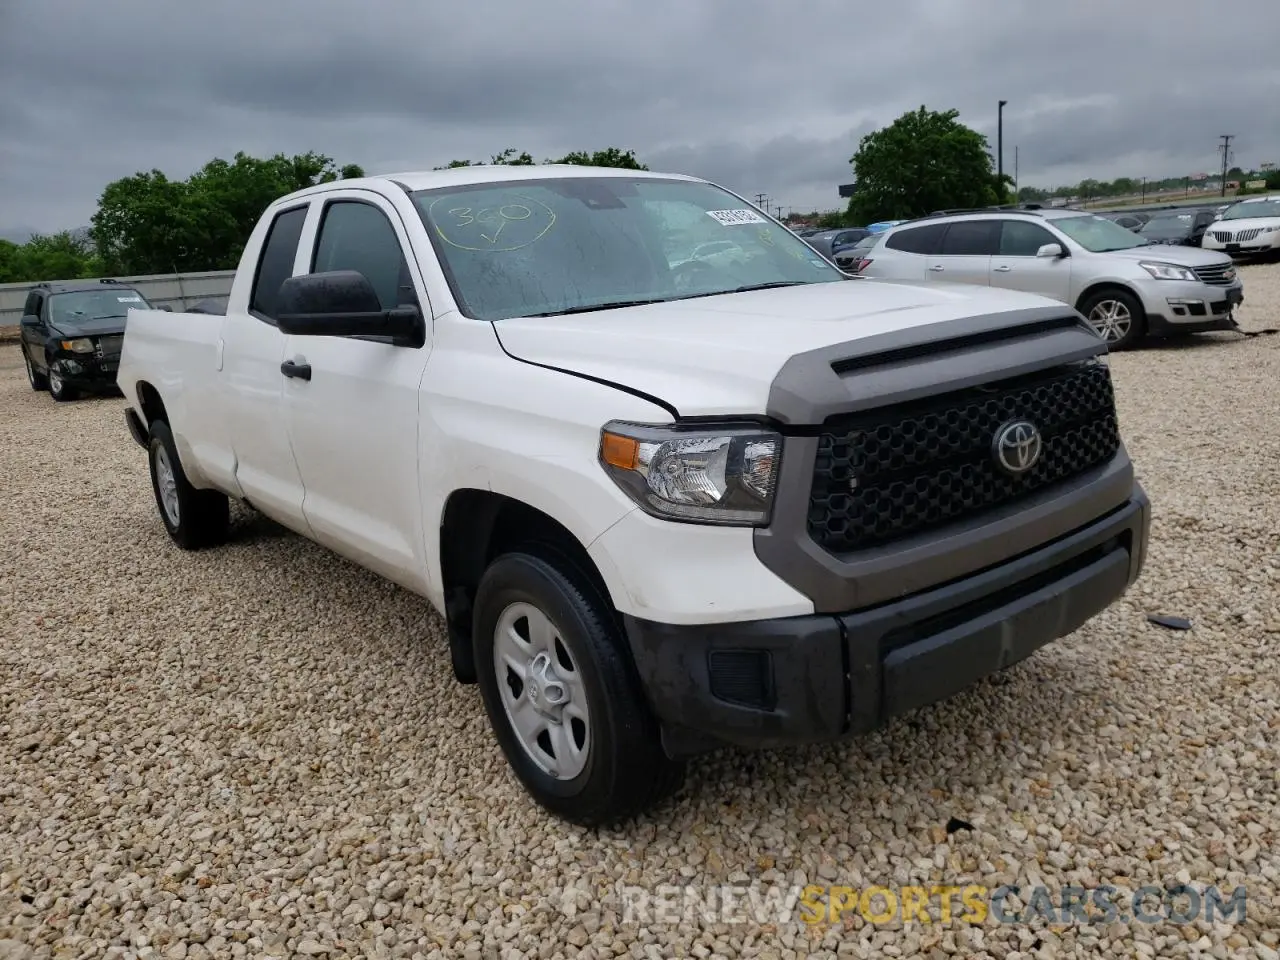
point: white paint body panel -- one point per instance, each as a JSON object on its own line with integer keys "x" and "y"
{"x": 364, "y": 457}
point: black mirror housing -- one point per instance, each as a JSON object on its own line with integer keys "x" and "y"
{"x": 343, "y": 303}
{"x": 29, "y": 320}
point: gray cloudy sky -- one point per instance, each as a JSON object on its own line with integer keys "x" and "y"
{"x": 760, "y": 96}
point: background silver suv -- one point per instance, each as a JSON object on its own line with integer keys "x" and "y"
{"x": 1125, "y": 286}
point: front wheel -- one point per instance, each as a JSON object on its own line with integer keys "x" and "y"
{"x": 1118, "y": 317}
{"x": 562, "y": 695}
{"x": 194, "y": 518}
{"x": 59, "y": 389}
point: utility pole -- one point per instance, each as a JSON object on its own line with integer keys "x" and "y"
{"x": 1015, "y": 173}
{"x": 1000, "y": 142}
{"x": 1226, "y": 139}
{"x": 1144, "y": 189}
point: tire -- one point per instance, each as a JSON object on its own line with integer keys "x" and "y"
{"x": 193, "y": 518}
{"x": 1118, "y": 317}
{"x": 38, "y": 380}
{"x": 606, "y": 742}
{"x": 60, "y": 390}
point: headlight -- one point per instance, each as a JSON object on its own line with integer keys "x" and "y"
{"x": 719, "y": 475}
{"x": 1271, "y": 229}
{"x": 82, "y": 345}
{"x": 1168, "y": 271}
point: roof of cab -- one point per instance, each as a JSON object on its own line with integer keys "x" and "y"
{"x": 413, "y": 180}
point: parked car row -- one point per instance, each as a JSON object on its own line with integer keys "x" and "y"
{"x": 1126, "y": 286}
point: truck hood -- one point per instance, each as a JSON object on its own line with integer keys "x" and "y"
{"x": 719, "y": 355}
{"x": 88, "y": 327}
{"x": 1183, "y": 256}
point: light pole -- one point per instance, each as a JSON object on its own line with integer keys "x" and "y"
{"x": 1000, "y": 143}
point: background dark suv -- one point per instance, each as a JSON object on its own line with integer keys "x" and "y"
{"x": 72, "y": 332}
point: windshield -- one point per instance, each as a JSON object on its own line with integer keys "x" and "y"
{"x": 573, "y": 244}
{"x": 1098, "y": 234}
{"x": 94, "y": 304}
{"x": 1174, "y": 226}
{"x": 1248, "y": 209}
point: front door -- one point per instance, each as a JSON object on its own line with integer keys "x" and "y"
{"x": 1016, "y": 266}
{"x": 353, "y": 424}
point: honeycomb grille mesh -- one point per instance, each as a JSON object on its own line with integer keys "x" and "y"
{"x": 890, "y": 474}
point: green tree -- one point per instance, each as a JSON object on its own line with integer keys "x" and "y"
{"x": 12, "y": 267}
{"x": 609, "y": 157}
{"x": 925, "y": 160}
{"x": 148, "y": 223}
{"x": 66, "y": 255}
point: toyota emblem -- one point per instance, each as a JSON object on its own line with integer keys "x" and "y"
{"x": 1017, "y": 446}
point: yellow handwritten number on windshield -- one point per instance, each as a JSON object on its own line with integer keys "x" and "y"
{"x": 492, "y": 222}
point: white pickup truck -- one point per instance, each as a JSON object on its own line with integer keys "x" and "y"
{"x": 663, "y": 502}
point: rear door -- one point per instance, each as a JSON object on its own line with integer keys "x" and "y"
{"x": 354, "y": 424}
{"x": 965, "y": 253}
{"x": 1016, "y": 266}
{"x": 252, "y": 350}
{"x": 906, "y": 251}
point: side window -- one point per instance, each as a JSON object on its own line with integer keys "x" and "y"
{"x": 275, "y": 265}
{"x": 922, "y": 240}
{"x": 1018, "y": 238}
{"x": 33, "y": 304}
{"x": 971, "y": 238}
{"x": 358, "y": 236}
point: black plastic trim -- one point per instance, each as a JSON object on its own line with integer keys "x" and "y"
{"x": 837, "y": 675}
{"x": 939, "y": 358}
{"x": 137, "y": 429}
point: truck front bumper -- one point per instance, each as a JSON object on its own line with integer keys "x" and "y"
{"x": 823, "y": 677}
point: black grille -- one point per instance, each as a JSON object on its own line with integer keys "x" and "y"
{"x": 889, "y": 474}
{"x": 109, "y": 346}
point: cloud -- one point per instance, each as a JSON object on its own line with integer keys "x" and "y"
{"x": 761, "y": 96}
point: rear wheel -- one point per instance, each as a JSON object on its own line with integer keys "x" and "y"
{"x": 562, "y": 695}
{"x": 194, "y": 518}
{"x": 37, "y": 379}
{"x": 1118, "y": 317}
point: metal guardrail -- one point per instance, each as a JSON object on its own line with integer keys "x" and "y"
{"x": 178, "y": 290}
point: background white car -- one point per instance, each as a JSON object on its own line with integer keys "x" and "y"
{"x": 1247, "y": 228}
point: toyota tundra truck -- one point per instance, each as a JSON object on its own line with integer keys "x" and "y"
{"x": 664, "y": 502}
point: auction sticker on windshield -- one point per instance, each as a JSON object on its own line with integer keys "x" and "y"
{"x": 730, "y": 218}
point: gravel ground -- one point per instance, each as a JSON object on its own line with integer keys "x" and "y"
{"x": 260, "y": 751}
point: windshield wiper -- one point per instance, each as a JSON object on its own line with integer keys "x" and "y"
{"x": 109, "y": 316}
{"x": 768, "y": 286}
{"x": 592, "y": 307}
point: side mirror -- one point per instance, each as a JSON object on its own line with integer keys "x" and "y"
{"x": 29, "y": 320}
{"x": 1050, "y": 251}
{"x": 343, "y": 303}
{"x": 1217, "y": 217}
{"x": 165, "y": 307}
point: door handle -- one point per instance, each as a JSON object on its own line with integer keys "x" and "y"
{"x": 1002, "y": 269}
{"x": 299, "y": 371}
{"x": 937, "y": 268}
